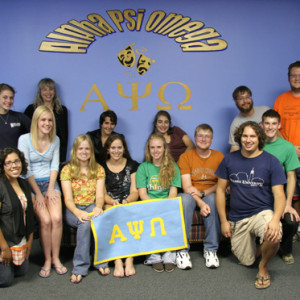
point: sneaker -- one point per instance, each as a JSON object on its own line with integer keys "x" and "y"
{"x": 295, "y": 238}
{"x": 169, "y": 267}
{"x": 288, "y": 259}
{"x": 158, "y": 267}
{"x": 183, "y": 260}
{"x": 211, "y": 258}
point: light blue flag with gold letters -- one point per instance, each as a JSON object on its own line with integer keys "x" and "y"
{"x": 139, "y": 228}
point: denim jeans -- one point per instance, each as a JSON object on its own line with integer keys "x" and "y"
{"x": 7, "y": 273}
{"x": 211, "y": 222}
{"x": 81, "y": 258}
{"x": 168, "y": 257}
{"x": 43, "y": 186}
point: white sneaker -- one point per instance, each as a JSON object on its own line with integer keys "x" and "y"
{"x": 183, "y": 260}
{"x": 211, "y": 258}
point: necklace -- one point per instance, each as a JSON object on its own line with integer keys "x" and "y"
{"x": 5, "y": 121}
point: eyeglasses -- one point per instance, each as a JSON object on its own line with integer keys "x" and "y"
{"x": 10, "y": 163}
{"x": 202, "y": 136}
{"x": 244, "y": 98}
{"x": 294, "y": 75}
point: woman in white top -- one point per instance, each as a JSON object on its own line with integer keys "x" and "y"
{"x": 41, "y": 150}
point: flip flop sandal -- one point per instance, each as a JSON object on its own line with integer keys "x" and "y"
{"x": 46, "y": 271}
{"x": 59, "y": 270}
{"x": 261, "y": 278}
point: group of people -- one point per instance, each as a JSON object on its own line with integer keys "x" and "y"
{"x": 257, "y": 178}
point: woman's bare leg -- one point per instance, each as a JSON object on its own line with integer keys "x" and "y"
{"x": 45, "y": 236}
{"x": 55, "y": 211}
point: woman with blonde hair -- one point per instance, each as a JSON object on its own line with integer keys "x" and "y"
{"x": 47, "y": 95}
{"x": 158, "y": 177}
{"x": 83, "y": 187}
{"x": 41, "y": 150}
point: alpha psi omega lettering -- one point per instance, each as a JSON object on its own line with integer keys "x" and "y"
{"x": 139, "y": 228}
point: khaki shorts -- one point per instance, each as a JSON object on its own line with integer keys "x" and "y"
{"x": 244, "y": 233}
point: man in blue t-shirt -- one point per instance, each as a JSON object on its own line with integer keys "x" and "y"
{"x": 257, "y": 200}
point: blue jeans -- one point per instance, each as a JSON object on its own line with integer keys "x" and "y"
{"x": 7, "y": 273}
{"x": 43, "y": 186}
{"x": 211, "y": 222}
{"x": 81, "y": 258}
{"x": 168, "y": 257}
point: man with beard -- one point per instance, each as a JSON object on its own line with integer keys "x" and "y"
{"x": 242, "y": 97}
{"x": 288, "y": 106}
{"x": 257, "y": 200}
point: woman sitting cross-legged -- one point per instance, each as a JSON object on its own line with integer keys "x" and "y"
{"x": 82, "y": 182}
{"x": 120, "y": 184}
{"x": 158, "y": 177}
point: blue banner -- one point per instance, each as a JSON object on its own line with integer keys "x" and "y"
{"x": 139, "y": 228}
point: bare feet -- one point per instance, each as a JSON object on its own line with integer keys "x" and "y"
{"x": 76, "y": 278}
{"x": 119, "y": 268}
{"x": 104, "y": 271}
{"x": 129, "y": 267}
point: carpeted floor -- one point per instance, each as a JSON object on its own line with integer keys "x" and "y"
{"x": 230, "y": 281}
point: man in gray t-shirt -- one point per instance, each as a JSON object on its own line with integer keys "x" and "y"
{"x": 242, "y": 97}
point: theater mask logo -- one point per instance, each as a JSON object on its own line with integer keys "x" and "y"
{"x": 127, "y": 58}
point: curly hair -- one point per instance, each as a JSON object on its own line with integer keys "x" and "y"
{"x": 9, "y": 150}
{"x": 75, "y": 166}
{"x": 50, "y": 83}
{"x": 258, "y": 130}
{"x": 110, "y": 140}
{"x": 165, "y": 114}
{"x": 167, "y": 170}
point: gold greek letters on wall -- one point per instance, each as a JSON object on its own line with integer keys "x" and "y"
{"x": 135, "y": 96}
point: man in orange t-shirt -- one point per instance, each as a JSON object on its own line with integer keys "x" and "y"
{"x": 197, "y": 168}
{"x": 288, "y": 106}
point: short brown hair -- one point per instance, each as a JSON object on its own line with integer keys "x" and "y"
{"x": 203, "y": 127}
{"x": 241, "y": 90}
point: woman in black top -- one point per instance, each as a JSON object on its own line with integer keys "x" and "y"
{"x": 120, "y": 186}
{"x": 16, "y": 216}
{"x": 107, "y": 123}
{"x": 47, "y": 95}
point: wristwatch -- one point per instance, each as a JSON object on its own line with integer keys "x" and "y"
{"x": 202, "y": 194}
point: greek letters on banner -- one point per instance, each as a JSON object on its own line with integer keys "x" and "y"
{"x": 139, "y": 228}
